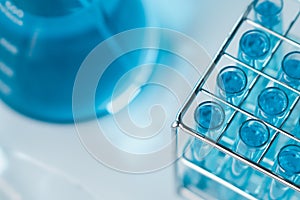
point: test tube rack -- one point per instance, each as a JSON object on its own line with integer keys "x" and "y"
{"x": 196, "y": 180}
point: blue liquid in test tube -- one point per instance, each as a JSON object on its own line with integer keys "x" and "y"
{"x": 268, "y": 12}
{"x": 254, "y": 47}
{"x": 210, "y": 117}
{"x": 272, "y": 105}
{"x": 232, "y": 82}
{"x": 291, "y": 69}
{"x": 192, "y": 178}
{"x": 288, "y": 167}
{"x": 253, "y": 137}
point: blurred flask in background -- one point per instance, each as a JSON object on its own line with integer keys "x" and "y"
{"x": 43, "y": 43}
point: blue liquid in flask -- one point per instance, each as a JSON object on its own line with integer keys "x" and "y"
{"x": 43, "y": 44}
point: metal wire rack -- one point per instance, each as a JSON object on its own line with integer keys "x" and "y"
{"x": 284, "y": 38}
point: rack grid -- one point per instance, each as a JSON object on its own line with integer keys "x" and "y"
{"x": 208, "y": 175}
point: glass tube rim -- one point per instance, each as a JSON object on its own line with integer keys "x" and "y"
{"x": 282, "y": 150}
{"x": 261, "y": 34}
{"x": 273, "y": 88}
{"x": 284, "y": 60}
{"x": 268, "y": 15}
{"x": 210, "y": 103}
{"x": 262, "y": 123}
{"x": 236, "y": 68}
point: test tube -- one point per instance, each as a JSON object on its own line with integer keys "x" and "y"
{"x": 291, "y": 69}
{"x": 199, "y": 151}
{"x": 232, "y": 82}
{"x": 254, "y": 47}
{"x": 210, "y": 117}
{"x": 288, "y": 167}
{"x": 272, "y": 105}
{"x": 268, "y": 12}
{"x": 253, "y": 137}
{"x": 192, "y": 178}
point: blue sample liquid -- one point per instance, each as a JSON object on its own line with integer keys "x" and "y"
{"x": 253, "y": 135}
{"x": 232, "y": 82}
{"x": 288, "y": 167}
{"x": 291, "y": 69}
{"x": 199, "y": 151}
{"x": 289, "y": 161}
{"x": 272, "y": 103}
{"x": 191, "y": 178}
{"x": 254, "y": 45}
{"x": 268, "y": 12}
{"x": 43, "y": 44}
{"x": 210, "y": 117}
